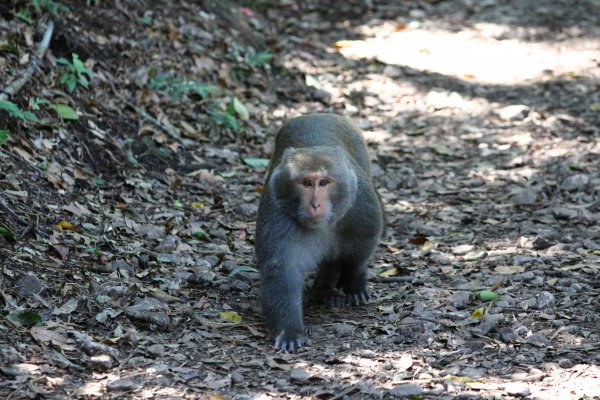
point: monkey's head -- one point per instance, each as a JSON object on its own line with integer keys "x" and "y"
{"x": 316, "y": 185}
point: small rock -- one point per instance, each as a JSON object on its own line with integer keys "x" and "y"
{"x": 343, "y": 329}
{"x": 462, "y": 249}
{"x": 102, "y": 362}
{"x": 490, "y": 322}
{"x": 151, "y": 311}
{"x": 524, "y": 260}
{"x": 513, "y": 112}
{"x": 508, "y": 335}
{"x": 526, "y": 197}
{"x": 519, "y": 389}
{"x": 122, "y": 266}
{"x": 522, "y": 330}
{"x": 454, "y": 387}
{"x": 240, "y": 286}
{"x": 168, "y": 244}
{"x": 564, "y": 213}
{"x": 590, "y": 244}
{"x": 366, "y": 353}
{"x": 157, "y": 350}
{"x": 475, "y": 255}
{"x": 406, "y": 390}
{"x": 459, "y": 299}
{"x": 544, "y": 300}
{"x": 473, "y": 372}
{"x": 540, "y": 243}
{"x": 521, "y": 359}
{"x": 441, "y": 258}
{"x": 121, "y": 385}
{"x": 237, "y": 378}
{"x": 565, "y": 363}
{"x": 299, "y": 375}
{"x": 575, "y": 182}
{"x": 451, "y": 370}
{"x": 538, "y": 340}
{"x": 29, "y": 286}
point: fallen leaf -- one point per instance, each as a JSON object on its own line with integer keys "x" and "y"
{"x": 231, "y": 316}
{"x": 66, "y": 226}
{"x": 479, "y": 313}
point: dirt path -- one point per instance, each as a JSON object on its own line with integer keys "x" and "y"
{"x": 132, "y": 275}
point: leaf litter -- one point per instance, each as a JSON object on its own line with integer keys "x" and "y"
{"x": 138, "y": 187}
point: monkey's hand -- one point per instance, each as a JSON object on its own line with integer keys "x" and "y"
{"x": 358, "y": 297}
{"x": 290, "y": 341}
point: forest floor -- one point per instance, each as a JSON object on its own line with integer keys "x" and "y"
{"x": 127, "y": 207}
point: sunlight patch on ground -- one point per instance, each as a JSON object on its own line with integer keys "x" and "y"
{"x": 482, "y": 60}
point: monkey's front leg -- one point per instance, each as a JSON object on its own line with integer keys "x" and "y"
{"x": 282, "y": 287}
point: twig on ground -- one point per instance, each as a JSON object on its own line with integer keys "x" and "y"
{"x": 167, "y": 129}
{"x": 13, "y": 214}
{"x": 14, "y": 87}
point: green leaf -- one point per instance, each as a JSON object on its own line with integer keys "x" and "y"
{"x": 9, "y": 48}
{"x": 25, "y": 318}
{"x": 7, "y": 233}
{"x": 240, "y": 109}
{"x": 36, "y": 102}
{"x": 479, "y": 313}
{"x": 488, "y": 295}
{"x": 241, "y": 268}
{"x": 64, "y": 111}
{"x": 3, "y": 136}
{"x": 256, "y": 162}
{"x": 14, "y": 111}
{"x": 201, "y": 235}
{"x": 145, "y": 20}
{"x": 77, "y": 64}
{"x": 178, "y": 204}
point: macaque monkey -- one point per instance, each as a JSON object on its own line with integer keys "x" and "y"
{"x": 318, "y": 210}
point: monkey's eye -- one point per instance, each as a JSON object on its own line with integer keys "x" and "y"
{"x": 306, "y": 183}
{"x": 324, "y": 182}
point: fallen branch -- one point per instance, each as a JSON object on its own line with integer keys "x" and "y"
{"x": 167, "y": 129}
{"x": 14, "y": 87}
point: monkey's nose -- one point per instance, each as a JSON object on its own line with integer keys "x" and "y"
{"x": 315, "y": 203}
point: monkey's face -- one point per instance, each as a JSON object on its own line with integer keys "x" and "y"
{"x": 313, "y": 181}
{"x": 315, "y": 193}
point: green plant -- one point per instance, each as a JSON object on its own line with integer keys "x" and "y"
{"x": 53, "y": 7}
{"x": 14, "y": 111}
{"x": 225, "y": 118}
{"x": 4, "y": 136}
{"x": 177, "y": 87}
{"x": 24, "y": 15}
{"x": 246, "y": 60}
{"x": 76, "y": 73}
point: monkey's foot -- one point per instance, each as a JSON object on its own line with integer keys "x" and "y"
{"x": 358, "y": 298}
{"x": 337, "y": 298}
{"x": 290, "y": 342}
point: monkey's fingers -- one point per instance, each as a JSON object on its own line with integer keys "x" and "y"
{"x": 336, "y": 300}
{"x": 358, "y": 298}
{"x": 290, "y": 342}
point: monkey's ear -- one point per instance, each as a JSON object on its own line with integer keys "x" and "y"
{"x": 288, "y": 152}
{"x": 340, "y": 152}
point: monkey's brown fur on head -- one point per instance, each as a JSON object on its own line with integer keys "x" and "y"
{"x": 318, "y": 209}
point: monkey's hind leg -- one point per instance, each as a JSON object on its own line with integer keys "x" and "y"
{"x": 324, "y": 290}
{"x": 353, "y": 281}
